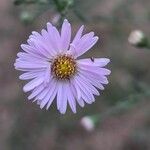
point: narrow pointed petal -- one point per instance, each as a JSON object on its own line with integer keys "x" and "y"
{"x": 65, "y": 35}
{"x": 95, "y": 70}
{"x": 79, "y": 100}
{"x": 57, "y": 39}
{"x": 48, "y": 43}
{"x": 48, "y": 75}
{"x": 85, "y": 93}
{"x": 29, "y": 57}
{"x": 76, "y": 88}
{"x": 59, "y": 95}
{"x": 100, "y": 62}
{"x": 36, "y": 91}
{"x": 32, "y": 84}
{"x": 78, "y": 36}
{"x": 97, "y": 76}
{"x": 89, "y": 85}
{"x": 85, "y": 45}
{"x": 54, "y": 38}
{"x": 31, "y": 75}
{"x": 52, "y": 94}
{"x": 71, "y": 99}
{"x": 48, "y": 97}
{"x": 92, "y": 79}
{"x": 63, "y": 105}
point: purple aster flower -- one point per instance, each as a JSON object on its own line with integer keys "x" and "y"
{"x": 50, "y": 62}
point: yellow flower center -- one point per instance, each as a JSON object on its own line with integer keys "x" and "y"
{"x": 63, "y": 67}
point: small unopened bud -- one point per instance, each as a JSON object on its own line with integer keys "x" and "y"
{"x": 87, "y": 123}
{"x": 137, "y": 38}
{"x": 26, "y": 17}
{"x": 70, "y": 2}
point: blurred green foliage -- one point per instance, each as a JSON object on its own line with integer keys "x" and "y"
{"x": 61, "y": 6}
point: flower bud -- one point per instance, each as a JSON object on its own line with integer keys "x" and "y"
{"x": 137, "y": 38}
{"x": 26, "y": 17}
{"x": 87, "y": 123}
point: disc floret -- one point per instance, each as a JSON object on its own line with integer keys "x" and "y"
{"x": 63, "y": 67}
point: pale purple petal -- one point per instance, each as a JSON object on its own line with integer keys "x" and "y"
{"x": 40, "y": 45}
{"x": 54, "y": 36}
{"x": 43, "y": 41}
{"x": 97, "y": 77}
{"x": 84, "y": 44}
{"x": 85, "y": 93}
{"x": 32, "y": 84}
{"x": 73, "y": 82}
{"x": 100, "y": 62}
{"x": 29, "y": 57}
{"x": 59, "y": 95}
{"x": 31, "y": 69}
{"x": 31, "y": 75}
{"x": 63, "y": 104}
{"x": 29, "y": 49}
{"x": 48, "y": 97}
{"x": 48, "y": 75}
{"x": 78, "y": 35}
{"x": 36, "y": 35}
{"x": 52, "y": 94}
{"x": 48, "y": 42}
{"x": 36, "y": 91}
{"x": 83, "y": 47}
{"x": 103, "y": 80}
{"x": 95, "y": 69}
{"x": 33, "y": 51}
{"x": 89, "y": 85}
{"x": 86, "y": 90}
{"x": 91, "y": 78}
{"x": 41, "y": 48}
{"x": 65, "y": 35}
{"x": 74, "y": 91}
{"x": 61, "y": 98}
{"x": 71, "y": 98}
{"x": 44, "y": 92}
{"x": 29, "y": 65}
{"x": 57, "y": 38}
